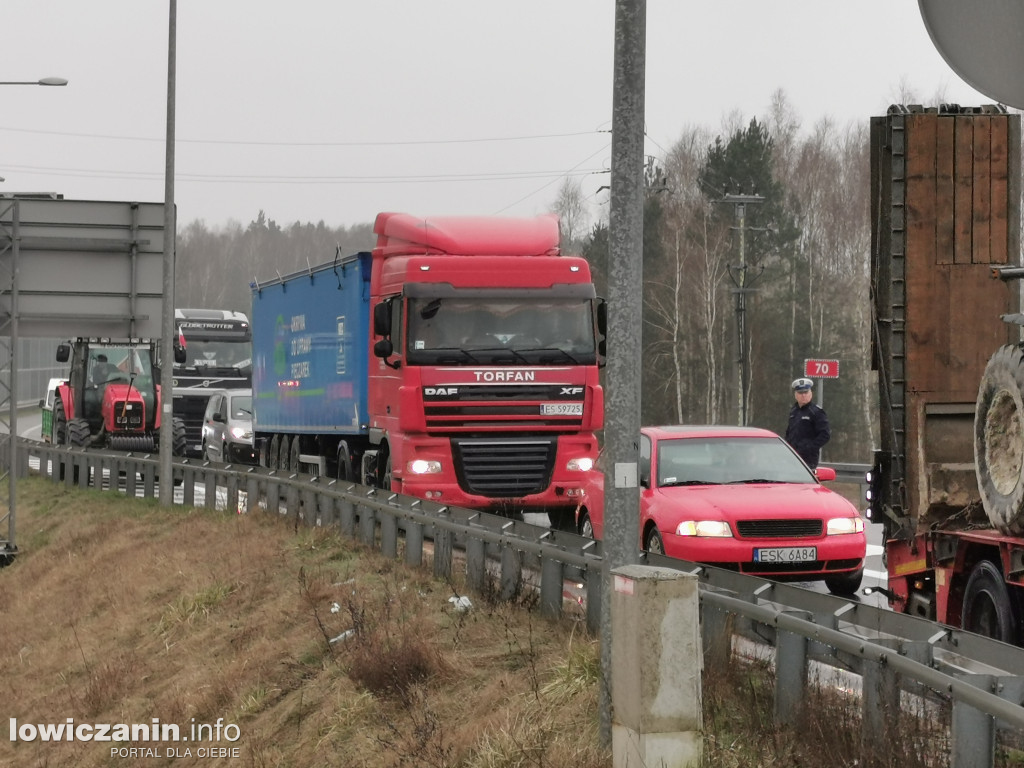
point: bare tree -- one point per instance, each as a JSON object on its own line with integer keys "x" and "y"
{"x": 571, "y": 207}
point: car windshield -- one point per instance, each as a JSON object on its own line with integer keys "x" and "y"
{"x": 241, "y": 407}
{"x": 729, "y": 460}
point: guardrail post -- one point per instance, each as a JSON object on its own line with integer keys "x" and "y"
{"x": 655, "y": 668}
{"x": 367, "y": 526}
{"x": 717, "y": 634}
{"x": 188, "y": 487}
{"x": 972, "y": 732}
{"x": 413, "y": 543}
{"x": 880, "y": 699}
{"x": 347, "y": 517}
{"x": 388, "y": 535}
{"x": 443, "y": 553}
{"x": 476, "y": 564}
{"x": 511, "y": 573}
{"x": 595, "y": 585}
{"x": 252, "y": 492}
{"x": 210, "y": 488}
{"x": 790, "y": 672}
{"x": 552, "y": 587}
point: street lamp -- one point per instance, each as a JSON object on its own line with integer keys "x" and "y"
{"x": 42, "y": 81}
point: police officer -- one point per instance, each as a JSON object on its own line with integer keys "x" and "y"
{"x": 808, "y": 429}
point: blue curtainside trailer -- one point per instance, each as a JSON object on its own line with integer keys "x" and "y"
{"x": 309, "y": 339}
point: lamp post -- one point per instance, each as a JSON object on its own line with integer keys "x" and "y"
{"x": 51, "y": 81}
{"x": 9, "y": 547}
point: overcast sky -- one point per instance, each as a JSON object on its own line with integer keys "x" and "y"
{"x": 335, "y": 110}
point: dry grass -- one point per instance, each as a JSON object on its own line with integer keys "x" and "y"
{"x": 326, "y": 654}
{"x": 322, "y": 653}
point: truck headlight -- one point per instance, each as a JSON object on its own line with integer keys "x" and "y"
{"x": 424, "y": 467}
{"x": 582, "y": 464}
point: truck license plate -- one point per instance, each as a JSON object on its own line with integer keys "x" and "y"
{"x": 785, "y": 554}
{"x": 561, "y": 409}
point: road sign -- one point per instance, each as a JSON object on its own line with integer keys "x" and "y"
{"x": 821, "y": 369}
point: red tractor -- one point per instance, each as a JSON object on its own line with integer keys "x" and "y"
{"x": 111, "y": 398}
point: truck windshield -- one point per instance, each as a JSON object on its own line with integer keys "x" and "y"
{"x": 478, "y": 330}
{"x": 210, "y": 356}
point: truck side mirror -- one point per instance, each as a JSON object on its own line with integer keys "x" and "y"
{"x": 384, "y": 349}
{"x": 179, "y": 354}
{"x": 602, "y": 330}
{"x": 63, "y": 353}
{"x": 382, "y": 321}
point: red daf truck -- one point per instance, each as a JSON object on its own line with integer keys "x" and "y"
{"x": 948, "y": 480}
{"x": 457, "y": 362}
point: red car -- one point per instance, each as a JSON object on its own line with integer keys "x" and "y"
{"x": 740, "y": 498}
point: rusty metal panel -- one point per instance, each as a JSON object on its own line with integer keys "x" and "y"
{"x": 936, "y": 304}
{"x": 86, "y": 267}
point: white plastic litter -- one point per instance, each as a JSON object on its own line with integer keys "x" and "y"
{"x": 335, "y": 607}
{"x": 461, "y": 604}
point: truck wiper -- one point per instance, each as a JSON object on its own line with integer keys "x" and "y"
{"x": 508, "y": 350}
{"x": 464, "y": 352}
{"x": 553, "y": 350}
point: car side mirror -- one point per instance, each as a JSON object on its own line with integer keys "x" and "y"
{"x": 825, "y": 474}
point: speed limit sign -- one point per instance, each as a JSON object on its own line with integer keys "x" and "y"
{"x": 821, "y": 369}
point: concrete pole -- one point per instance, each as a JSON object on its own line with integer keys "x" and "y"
{"x": 167, "y": 318}
{"x": 656, "y": 670}
{"x": 625, "y": 316}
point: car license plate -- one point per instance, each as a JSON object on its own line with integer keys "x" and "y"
{"x": 785, "y": 554}
{"x": 561, "y": 409}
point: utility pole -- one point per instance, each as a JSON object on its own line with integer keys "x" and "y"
{"x": 739, "y": 278}
{"x": 625, "y": 312}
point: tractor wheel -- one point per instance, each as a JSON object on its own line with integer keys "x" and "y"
{"x": 999, "y": 439}
{"x": 78, "y": 433}
{"x": 59, "y": 434}
{"x": 179, "y": 440}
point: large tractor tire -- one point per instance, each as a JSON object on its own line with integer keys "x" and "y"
{"x": 179, "y": 439}
{"x": 999, "y": 439}
{"x": 78, "y": 433}
{"x": 59, "y": 436}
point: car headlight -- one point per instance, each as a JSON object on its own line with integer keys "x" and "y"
{"x": 424, "y": 467}
{"x": 704, "y": 528}
{"x": 844, "y": 525}
{"x": 582, "y": 464}
{"x": 240, "y": 433}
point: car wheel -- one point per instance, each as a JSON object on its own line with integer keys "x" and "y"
{"x": 654, "y": 544}
{"x": 586, "y": 527}
{"x": 845, "y": 584}
{"x": 206, "y": 452}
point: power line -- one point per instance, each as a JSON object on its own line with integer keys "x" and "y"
{"x": 294, "y": 179}
{"x": 235, "y": 142}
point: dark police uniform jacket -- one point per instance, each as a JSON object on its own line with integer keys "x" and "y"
{"x": 808, "y": 431}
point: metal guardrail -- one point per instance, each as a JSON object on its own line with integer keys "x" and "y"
{"x": 848, "y": 473}
{"x": 891, "y": 652}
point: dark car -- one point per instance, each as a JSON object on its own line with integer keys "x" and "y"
{"x": 227, "y": 427}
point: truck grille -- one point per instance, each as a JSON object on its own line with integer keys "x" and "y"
{"x": 507, "y": 468}
{"x": 468, "y": 408}
{"x": 767, "y": 529}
